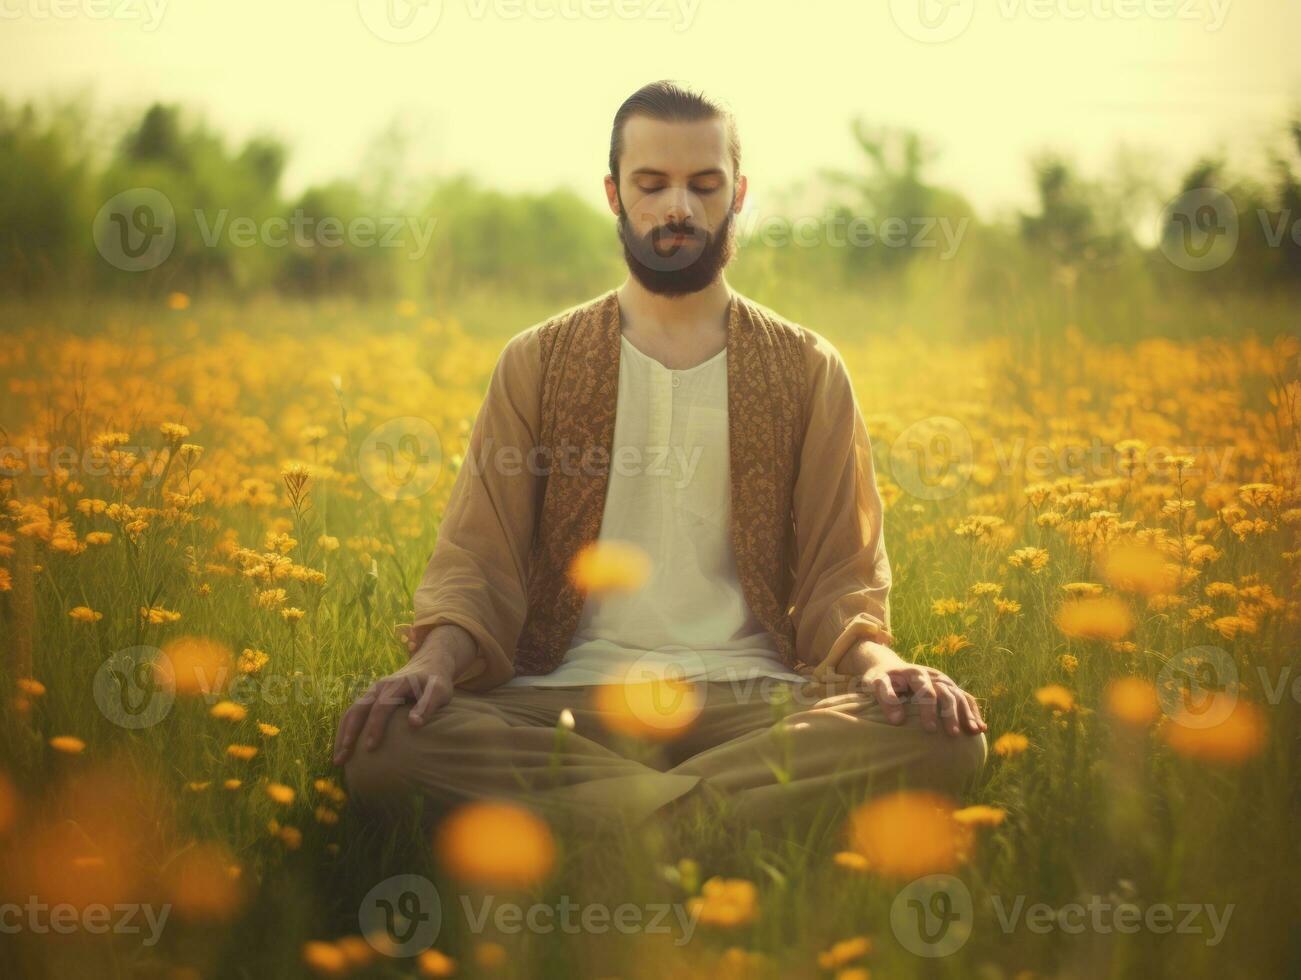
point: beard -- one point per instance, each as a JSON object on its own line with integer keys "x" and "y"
{"x": 670, "y": 268}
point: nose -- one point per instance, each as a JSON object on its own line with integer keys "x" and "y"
{"x": 679, "y": 206}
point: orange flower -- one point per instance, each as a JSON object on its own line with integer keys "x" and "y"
{"x": 1056, "y": 697}
{"x": 1011, "y": 744}
{"x": 69, "y": 744}
{"x": 496, "y": 843}
{"x": 192, "y": 665}
{"x": 1095, "y": 618}
{"x": 1133, "y": 701}
{"x": 907, "y": 834}
{"x": 610, "y": 566}
{"x": 1236, "y": 733}
{"x": 726, "y": 902}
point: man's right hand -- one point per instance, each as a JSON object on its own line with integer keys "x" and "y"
{"x": 427, "y": 680}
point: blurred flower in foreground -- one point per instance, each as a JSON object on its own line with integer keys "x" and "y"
{"x": 1133, "y": 701}
{"x": 191, "y": 665}
{"x": 726, "y": 902}
{"x": 1056, "y": 697}
{"x": 845, "y": 951}
{"x": 1134, "y": 566}
{"x": 907, "y": 834}
{"x": 1236, "y": 738}
{"x": 495, "y": 843}
{"x": 204, "y": 883}
{"x": 660, "y": 708}
{"x": 610, "y": 566}
{"x": 1010, "y": 745}
{"x": 1095, "y": 618}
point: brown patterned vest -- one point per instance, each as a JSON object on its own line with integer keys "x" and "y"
{"x": 580, "y": 386}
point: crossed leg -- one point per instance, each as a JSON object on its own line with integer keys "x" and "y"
{"x": 764, "y": 757}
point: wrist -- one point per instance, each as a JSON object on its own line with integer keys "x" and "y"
{"x": 867, "y": 655}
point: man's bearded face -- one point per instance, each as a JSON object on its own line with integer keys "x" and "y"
{"x": 674, "y": 266}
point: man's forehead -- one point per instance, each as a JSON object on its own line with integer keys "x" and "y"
{"x": 674, "y": 147}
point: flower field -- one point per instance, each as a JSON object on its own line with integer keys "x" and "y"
{"x": 212, "y": 520}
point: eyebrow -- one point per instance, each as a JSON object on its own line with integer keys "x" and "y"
{"x": 652, "y": 172}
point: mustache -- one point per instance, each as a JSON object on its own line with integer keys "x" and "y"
{"x": 672, "y": 230}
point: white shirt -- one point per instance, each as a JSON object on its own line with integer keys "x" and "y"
{"x": 669, "y": 493}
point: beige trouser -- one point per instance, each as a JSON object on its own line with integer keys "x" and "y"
{"x": 757, "y": 748}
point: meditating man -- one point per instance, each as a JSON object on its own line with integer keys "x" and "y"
{"x": 675, "y": 418}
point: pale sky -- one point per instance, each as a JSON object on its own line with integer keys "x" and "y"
{"x": 521, "y": 92}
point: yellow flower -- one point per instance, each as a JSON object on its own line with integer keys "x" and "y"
{"x": 1056, "y": 697}
{"x": 1011, "y": 744}
{"x": 155, "y": 615}
{"x": 610, "y": 566}
{"x": 232, "y": 784}
{"x": 244, "y": 752}
{"x": 844, "y": 952}
{"x": 1236, "y": 737}
{"x": 851, "y": 860}
{"x": 495, "y": 843}
{"x": 269, "y": 731}
{"x": 251, "y": 661}
{"x": 30, "y": 686}
{"x": 324, "y": 958}
{"x": 68, "y": 744}
{"x": 908, "y": 833}
{"x": 197, "y": 786}
{"x": 84, "y": 614}
{"x": 1133, "y": 701}
{"x": 280, "y": 793}
{"x": 292, "y": 614}
{"x": 1068, "y": 663}
{"x": 1096, "y": 618}
{"x": 432, "y": 963}
{"x": 980, "y": 815}
{"x": 228, "y": 711}
{"x": 726, "y": 902}
{"x": 178, "y": 301}
{"x": 951, "y": 644}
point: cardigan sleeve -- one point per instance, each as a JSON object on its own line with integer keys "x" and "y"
{"x": 478, "y": 572}
{"x": 842, "y": 576}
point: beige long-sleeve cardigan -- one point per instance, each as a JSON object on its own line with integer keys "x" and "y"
{"x": 806, "y": 516}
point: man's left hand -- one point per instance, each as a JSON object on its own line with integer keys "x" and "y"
{"x": 890, "y": 677}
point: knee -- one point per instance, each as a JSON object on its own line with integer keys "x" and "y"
{"x": 377, "y": 778}
{"x": 957, "y": 761}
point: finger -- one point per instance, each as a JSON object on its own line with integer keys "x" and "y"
{"x": 977, "y": 721}
{"x": 925, "y": 694}
{"x": 351, "y": 723}
{"x": 433, "y": 697}
{"x": 888, "y": 698}
{"x": 947, "y": 703}
{"x": 392, "y": 692}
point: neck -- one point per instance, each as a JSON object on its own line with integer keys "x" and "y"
{"x": 673, "y": 317}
